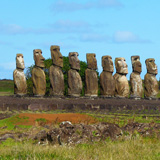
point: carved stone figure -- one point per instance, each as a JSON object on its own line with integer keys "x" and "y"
{"x": 55, "y": 72}
{"x": 38, "y": 75}
{"x": 135, "y": 79}
{"x": 107, "y": 82}
{"x": 91, "y": 79}
{"x": 74, "y": 78}
{"x": 20, "y": 85}
{"x": 150, "y": 81}
{"x": 121, "y": 82}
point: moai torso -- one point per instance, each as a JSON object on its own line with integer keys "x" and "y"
{"x": 39, "y": 81}
{"x": 121, "y": 86}
{"x": 55, "y": 72}
{"x": 151, "y": 87}
{"x": 56, "y": 80}
{"x": 20, "y": 85}
{"x": 91, "y": 78}
{"x": 135, "y": 79}
{"x": 74, "y": 83}
{"x": 107, "y": 82}
{"x": 121, "y": 82}
{"x": 136, "y": 85}
{"x": 74, "y": 78}
{"x": 38, "y": 75}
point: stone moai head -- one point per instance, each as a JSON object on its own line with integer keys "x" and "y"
{"x": 136, "y": 64}
{"x": 107, "y": 64}
{"x": 38, "y": 58}
{"x": 151, "y": 66}
{"x": 56, "y": 55}
{"x": 91, "y": 61}
{"x": 20, "y": 61}
{"x": 74, "y": 61}
{"x": 121, "y": 65}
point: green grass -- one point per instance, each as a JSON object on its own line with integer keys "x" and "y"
{"x": 123, "y": 119}
{"x": 11, "y": 122}
{"x": 6, "y": 87}
{"x": 133, "y": 149}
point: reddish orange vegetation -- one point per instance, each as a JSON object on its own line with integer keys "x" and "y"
{"x": 30, "y": 118}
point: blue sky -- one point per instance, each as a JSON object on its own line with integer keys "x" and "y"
{"x": 119, "y": 28}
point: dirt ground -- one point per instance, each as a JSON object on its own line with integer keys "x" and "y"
{"x": 31, "y": 118}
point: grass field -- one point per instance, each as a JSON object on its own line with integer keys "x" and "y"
{"x": 135, "y": 147}
{"x": 6, "y": 87}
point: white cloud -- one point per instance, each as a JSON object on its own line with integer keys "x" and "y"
{"x": 60, "y": 6}
{"x": 61, "y": 26}
{"x": 128, "y": 37}
{"x": 94, "y": 37}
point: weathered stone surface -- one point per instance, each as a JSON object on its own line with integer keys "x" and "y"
{"x": 151, "y": 87}
{"x": 38, "y": 75}
{"x": 135, "y": 79}
{"x": 107, "y": 64}
{"x": 74, "y": 61}
{"x": 107, "y": 82}
{"x": 121, "y": 82}
{"x": 20, "y": 85}
{"x": 91, "y": 78}
{"x": 74, "y": 78}
{"x": 69, "y": 133}
{"x": 74, "y": 83}
{"x": 91, "y": 83}
{"x": 55, "y": 72}
{"x": 56, "y": 55}
{"x": 56, "y": 80}
{"x": 91, "y": 61}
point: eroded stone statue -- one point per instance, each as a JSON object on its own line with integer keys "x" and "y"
{"x": 20, "y": 85}
{"x": 135, "y": 79}
{"x": 121, "y": 82}
{"x": 74, "y": 78}
{"x": 38, "y": 75}
{"x": 91, "y": 78}
{"x": 55, "y": 72}
{"x": 107, "y": 82}
{"x": 150, "y": 81}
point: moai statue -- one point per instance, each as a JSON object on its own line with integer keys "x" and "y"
{"x": 150, "y": 81}
{"x": 20, "y": 85}
{"x": 74, "y": 78}
{"x": 91, "y": 78}
{"x": 121, "y": 82}
{"x": 38, "y": 75}
{"x": 107, "y": 82}
{"x": 55, "y": 72}
{"x": 135, "y": 79}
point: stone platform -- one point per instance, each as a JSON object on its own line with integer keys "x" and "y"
{"x": 105, "y": 105}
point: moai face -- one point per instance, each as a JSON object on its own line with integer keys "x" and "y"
{"x": 74, "y": 61}
{"x": 121, "y": 65}
{"x": 107, "y": 64}
{"x": 136, "y": 64}
{"x": 20, "y": 61}
{"x": 38, "y": 58}
{"x": 91, "y": 61}
{"x": 151, "y": 66}
{"x": 56, "y": 55}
